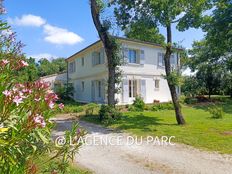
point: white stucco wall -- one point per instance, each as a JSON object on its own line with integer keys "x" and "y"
{"x": 55, "y": 78}
{"x": 149, "y": 71}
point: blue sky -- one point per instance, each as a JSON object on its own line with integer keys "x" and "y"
{"x": 61, "y": 28}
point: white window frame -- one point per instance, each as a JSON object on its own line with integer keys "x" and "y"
{"x": 72, "y": 66}
{"x": 157, "y": 83}
{"x": 161, "y": 59}
{"x": 136, "y": 56}
{"x": 133, "y": 86}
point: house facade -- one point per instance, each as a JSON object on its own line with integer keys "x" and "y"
{"x": 55, "y": 80}
{"x": 142, "y": 73}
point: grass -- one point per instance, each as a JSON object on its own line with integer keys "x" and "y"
{"x": 44, "y": 163}
{"x": 201, "y": 130}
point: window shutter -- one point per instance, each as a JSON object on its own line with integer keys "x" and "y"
{"x": 103, "y": 90}
{"x": 93, "y": 90}
{"x": 143, "y": 89}
{"x": 160, "y": 61}
{"x": 125, "y": 91}
{"x": 69, "y": 67}
{"x": 93, "y": 58}
{"x": 125, "y": 55}
{"x": 137, "y": 55}
{"x": 142, "y": 57}
{"x": 102, "y": 56}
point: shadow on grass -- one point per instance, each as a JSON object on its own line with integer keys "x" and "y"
{"x": 226, "y": 106}
{"x": 139, "y": 121}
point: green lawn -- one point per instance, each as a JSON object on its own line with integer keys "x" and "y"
{"x": 200, "y": 131}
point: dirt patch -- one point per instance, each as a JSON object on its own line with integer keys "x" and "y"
{"x": 227, "y": 133}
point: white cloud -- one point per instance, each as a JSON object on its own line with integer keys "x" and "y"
{"x": 27, "y": 20}
{"x": 48, "y": 56}
{"x": 60, "y": 36}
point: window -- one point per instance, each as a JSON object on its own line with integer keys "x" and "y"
{"x": 133, "y": 88}
{"x": 157, "y": 84}
{"x": 82, "y": 86}
{"x": 82, "y": 61}
{"x": 161, "y": 59}
{"x": 72, "y": 67}
{"x": 97, "y": 58}
{"x": 132, "y": 56}
{"x": 172, "y": 60}
{"x": 99, "y": 89}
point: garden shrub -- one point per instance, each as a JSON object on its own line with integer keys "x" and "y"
{"x": 108, "y": 114}
{"x": 138, "y": 105}
{"x": 216, "y": 112}
{"x": 162, "y": 106}
{"x": 202, "y": 98}
{"x": 25, "y": 110}
{"x": 90, "y": 108}
{"x": 73, "y": 109}
{"x": 189, "y": 100}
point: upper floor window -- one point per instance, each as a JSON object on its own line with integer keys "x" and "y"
{"x": 132, "y": 56}
{"x": 98, "y": 57}
{"x": 161, "y": 59}
{"x": 82, "y": 61}
{"x": 72, "y": 67}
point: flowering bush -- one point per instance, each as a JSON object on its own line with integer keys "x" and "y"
{"x": 25, "y": 109}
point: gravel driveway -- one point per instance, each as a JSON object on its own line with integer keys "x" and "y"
{"x": 144, "y": 158}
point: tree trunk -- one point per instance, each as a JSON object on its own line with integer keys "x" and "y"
{"x": 109, "y": 49}
{"x": 175, "y": 100}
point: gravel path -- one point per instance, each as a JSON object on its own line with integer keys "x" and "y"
{"x": 144, "y": 158}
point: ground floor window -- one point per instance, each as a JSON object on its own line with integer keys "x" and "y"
{"x": 133, "y": 88}
{"x": 99, "y": 89}
{"x": 82, "y": 86}
{"x": 157, "y": 84}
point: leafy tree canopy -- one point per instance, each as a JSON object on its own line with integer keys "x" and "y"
{"x": 144, "y": 30}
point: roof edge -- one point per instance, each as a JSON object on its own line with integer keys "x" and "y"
{"x": 121, "y": 38}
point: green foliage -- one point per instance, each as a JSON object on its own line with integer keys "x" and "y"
{"x": 190, "y": 100}
{"x": 90, "y": 108}
{"x": 216, "y": 112}
{"x": 149, "y": 32}
{"x": 138, "y": 105}
{"x": 162, "y": 106}
{"x": 25, "y": 110}
{"x": 46, "y": 67}
{"x": 73, "y": 109}
{"x": 175, "y": 78}
{"x": 64, "y": 91}
{"x": 108, "y": 114}
{"x": 191, "y": 86}
{"x": 219, "y": 30}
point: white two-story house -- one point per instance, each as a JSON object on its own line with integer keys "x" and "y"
{"x": 142, "y": 74}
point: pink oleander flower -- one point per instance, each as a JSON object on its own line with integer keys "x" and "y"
{"x": 18, "y": 100}
{"x": 39, "y": 120}
{"x": 7, "y": 93}
{"x": 51, "y": 96}
{"x": 51, "y": 105}
{"x": 61, "y": 106}
{"x": 37, "y": 99}
{"x": 4, "y": 62}
{"x": 23, "y": 63}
